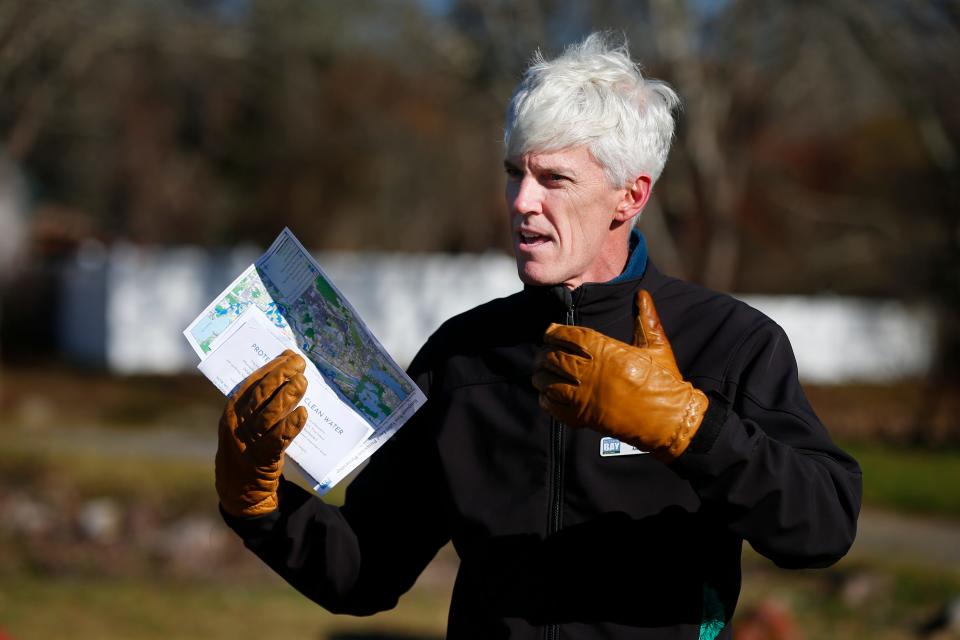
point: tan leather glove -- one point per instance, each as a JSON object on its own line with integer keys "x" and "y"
{"x": 634, "y": 393}
{"x": 258, "y": 423}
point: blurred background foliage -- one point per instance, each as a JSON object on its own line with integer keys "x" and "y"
{"x": 817, "y": 148}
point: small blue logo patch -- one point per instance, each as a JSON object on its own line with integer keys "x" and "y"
{"x": 609, "y": 447}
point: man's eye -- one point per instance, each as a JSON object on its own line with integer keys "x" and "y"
{"x": 556, "y": 177}
{"x": 513, "y": 172}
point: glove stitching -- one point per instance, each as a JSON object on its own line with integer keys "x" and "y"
{"x": 687, "y": 424}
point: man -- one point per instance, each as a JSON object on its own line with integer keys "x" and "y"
{"x": 597, "y": 446}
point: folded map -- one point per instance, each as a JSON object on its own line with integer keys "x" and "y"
{"x": 357, "y": 396}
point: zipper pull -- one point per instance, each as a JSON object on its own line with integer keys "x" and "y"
{"x": 568, "y": 303}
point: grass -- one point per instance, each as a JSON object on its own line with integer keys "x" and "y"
{"x": 86, "y": 605}
{"x": 115, "y": 593}
{"x": 893, "y": 599}
{"x": 30, "y": 462}
{"x": 910, "y": 480}
{"x": 31, "y": 607}
{"x": 37, "y": 607}
{"x": 181, "y": 484}
{"x": 899, "y": 479}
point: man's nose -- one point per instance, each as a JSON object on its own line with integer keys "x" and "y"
{"x": 526, "y": 196}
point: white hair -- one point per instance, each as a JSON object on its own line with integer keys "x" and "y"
{"x": 595, "y": 95}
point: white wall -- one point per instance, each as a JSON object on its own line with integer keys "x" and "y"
{"x": 842, "y": 339}
{"x": 140, "y": 300}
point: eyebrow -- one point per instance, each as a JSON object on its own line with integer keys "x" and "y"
{"x": 558, "y": 169}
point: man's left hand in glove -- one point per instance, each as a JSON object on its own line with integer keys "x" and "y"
{"x": 633, "y": 392}
{"x": 257, "y": 425}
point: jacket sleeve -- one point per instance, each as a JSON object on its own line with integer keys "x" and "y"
{"x": 763, "y": 463}
{"x": 359, "y": 558}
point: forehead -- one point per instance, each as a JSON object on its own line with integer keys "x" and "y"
{"x": 577, "y": 159}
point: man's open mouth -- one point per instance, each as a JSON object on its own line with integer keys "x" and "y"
{"x": 532, "y": 239}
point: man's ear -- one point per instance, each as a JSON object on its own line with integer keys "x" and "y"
{"x": 635, "y": 198}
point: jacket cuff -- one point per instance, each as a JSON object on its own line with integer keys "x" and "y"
{"x": 251, "y": 527}
{"x": 254, "y": 528}
{"x": 719, "y": 443}
{"x": 712, "y": 424}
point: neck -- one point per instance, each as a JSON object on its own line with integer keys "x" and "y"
{"x": 609, "y": 263}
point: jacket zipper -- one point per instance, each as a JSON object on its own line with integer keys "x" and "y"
{"x": 558, "y": 452}
{"x": 556, "y": 491}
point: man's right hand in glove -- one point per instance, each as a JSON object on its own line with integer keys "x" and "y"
{"x": 258, "y": 423}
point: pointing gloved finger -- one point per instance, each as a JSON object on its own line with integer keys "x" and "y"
{"x": 275, "y": 409}
{"x": 284, "y": 367}
{"x": 648, "y": 332}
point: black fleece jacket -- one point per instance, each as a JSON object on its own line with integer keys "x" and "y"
{"x": 555, "y": 540}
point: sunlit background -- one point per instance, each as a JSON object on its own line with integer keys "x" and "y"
{"x": 150, "y": 149}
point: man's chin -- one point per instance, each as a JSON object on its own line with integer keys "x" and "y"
{"x": 531, "y": 276}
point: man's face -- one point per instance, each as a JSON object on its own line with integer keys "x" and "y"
{"x": 562, "y": 212}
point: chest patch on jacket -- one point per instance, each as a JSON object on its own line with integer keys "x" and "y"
{"x": 611, "y": 447}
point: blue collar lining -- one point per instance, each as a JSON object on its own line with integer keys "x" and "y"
{"x": 637, "y": 262}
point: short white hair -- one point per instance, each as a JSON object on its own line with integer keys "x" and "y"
{"x": 595, "y": 95}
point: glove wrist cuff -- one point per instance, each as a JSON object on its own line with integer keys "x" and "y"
{"x": 693, "y": 413}
{"x": 713, "y": 421}
{"x": 251, "y": 496}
